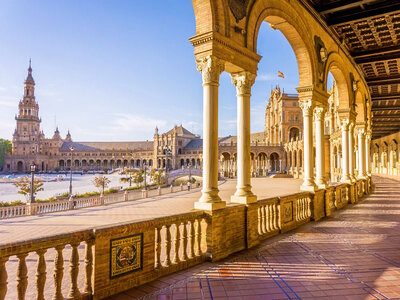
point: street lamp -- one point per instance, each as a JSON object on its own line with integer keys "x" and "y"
{"x": 33, "y": 169}
{"x": 190, "y": 172}
{"x": 167, "y": 152}
{"x": 145, "y": 173}
{"x": 71, "y": 149}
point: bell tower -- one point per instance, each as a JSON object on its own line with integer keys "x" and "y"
{"x": 27, "y": 135}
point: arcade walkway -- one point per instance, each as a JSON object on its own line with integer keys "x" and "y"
{"x": 354, "y": 254}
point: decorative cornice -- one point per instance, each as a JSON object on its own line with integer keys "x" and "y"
{"x": 243, "y": 82}
{"x": 211, "y": 36}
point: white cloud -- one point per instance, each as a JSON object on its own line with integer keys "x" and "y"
{"x": 133, "y": 123}
{"x": 8, "y": 104}
{"x": 266, "y": 76}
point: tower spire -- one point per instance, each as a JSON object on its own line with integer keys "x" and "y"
{"x": 29, "y": 78}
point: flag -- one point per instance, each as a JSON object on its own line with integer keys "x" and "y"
{"x": 280, "y": 74}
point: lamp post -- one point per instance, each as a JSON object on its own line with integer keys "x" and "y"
{"x": 167, "y": 152}
{"x": 33, "y": 169}
{"x": 190, "y": 172}
{"x": 71, "y": 149}
{"x": 145, "y": 173}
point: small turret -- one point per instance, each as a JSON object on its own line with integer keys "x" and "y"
{"x": 68, "y": 137}
{"x": 56, "y": 134}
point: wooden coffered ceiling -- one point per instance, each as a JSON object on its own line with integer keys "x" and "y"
{"x": 370, "y": 30}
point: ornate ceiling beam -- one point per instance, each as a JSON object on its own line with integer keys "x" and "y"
{"x": 341, "y": 5}
{"x": 389, "y": 80}
{"x": 382, "y": 108}
{"x": 382, "y": 54}
{"x": 380, "y": 9}
{"x": 389, "y": 97}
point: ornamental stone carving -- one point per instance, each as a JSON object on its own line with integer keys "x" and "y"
{"x": 243, "y": 82}
{"x": 210, "y": 68}
{"x": 238, "y": 8}
{"x": 307, "y": 107}
{"x": 319, "y": 113}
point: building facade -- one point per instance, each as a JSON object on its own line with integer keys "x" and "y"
{"x": 175, "y": 149}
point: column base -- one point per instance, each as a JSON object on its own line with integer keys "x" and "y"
{"x": 244, "y": 199}
{"x": 345, "y": 179}
{"x": 210, "y": 206}
{"x": 308, "y": 188}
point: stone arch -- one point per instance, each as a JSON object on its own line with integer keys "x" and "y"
{"x": 274, "y": 161}
{"x": 20, "y": 166}
{"x": 294, "y": 133}
{"x": 360, "y": 107}
{"x": 61, "y": 164}
{"x": 335, "y": 66}
{"x": 283, "y": 16}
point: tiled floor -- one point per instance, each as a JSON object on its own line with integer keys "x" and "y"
{"x": 355, "y": 254}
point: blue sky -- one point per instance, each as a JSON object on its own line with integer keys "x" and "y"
{"x": 113, "y": 70}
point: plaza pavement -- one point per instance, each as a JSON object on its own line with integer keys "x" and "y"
{"x": 354, "y": 254}
{"x": 32, "y": 227}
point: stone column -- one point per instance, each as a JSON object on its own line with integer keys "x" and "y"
{"x": 308, "y": 172}
{"x": 243, "y": 82}
{"x": 368, "y": 154}
{"x": 210, "y": 67}
{"x": 345, "y": 151}
{"x": 361, "y": 150}
{"x": 320, "y": 147}
{"x": 351, "y": 152}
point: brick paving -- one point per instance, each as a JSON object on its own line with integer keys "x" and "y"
{"x": 354, "y": 254}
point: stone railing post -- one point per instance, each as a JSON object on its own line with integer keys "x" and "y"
{"x": 101, "y": 202}
{"x": 145, "y": 193}
{"x": 31, "y": 209}
{"x": 126, "y": 195}
{"x": 171, "y": 188}
{"x": 181, "y": 187}
{"x": 159, "y": 190}
{"x": 71, "y": 203}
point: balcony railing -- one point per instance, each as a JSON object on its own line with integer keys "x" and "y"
{"x": 167, "y": 245}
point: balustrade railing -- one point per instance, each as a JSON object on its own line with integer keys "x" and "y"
{"x": 341, "y": 195}
{"x": 303, "y": 208}
{"x": 42, "y": 250}
{"x": 77, "y": 203}
{"x": 179, "y": 240}
{"x": 13, "y": 211}
{"x": 167, "y": 244}
{"x": 49, "y": 207}
{"x": 268, "y": 217}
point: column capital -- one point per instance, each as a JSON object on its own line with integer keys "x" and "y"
{"x": 361, "y": 131}
{"x": 319, "y": 113}
{"x": 345, "y": 124}
{"x": 243, "y": 82}
{"x": 210, "y": 68}
{"x": 306, "y": 106}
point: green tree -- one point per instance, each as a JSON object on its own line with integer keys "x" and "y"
{"x": 23, "y": 185}
{"x": 5, "y": 148}
{"x": 101, "y": 182}
{"x": 157, "y": 176}
{"x": 138, "y": 177}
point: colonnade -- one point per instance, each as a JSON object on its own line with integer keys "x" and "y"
{"x": 260, "y": 164}
{"x": 313, "y": 105}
